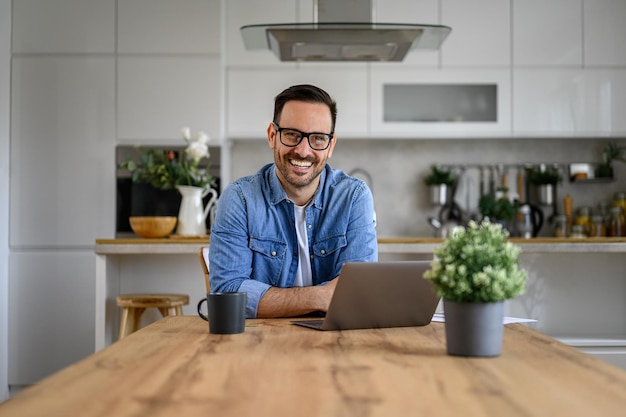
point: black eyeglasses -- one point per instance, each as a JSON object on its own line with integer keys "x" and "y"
{"x": 292, "y": 138}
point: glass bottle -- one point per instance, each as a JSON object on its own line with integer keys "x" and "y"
{"x": 560, "y": 226}
{"x": 597, "y": 227}
{"x": 617, "y": 224}
{"x": 577, "y": 232}
{"x": 620, "y": 201}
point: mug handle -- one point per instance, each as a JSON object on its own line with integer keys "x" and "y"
{"x": 202, "y": 316}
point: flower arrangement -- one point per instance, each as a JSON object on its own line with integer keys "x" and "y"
{"x": 477, "y": 265}
{"x": 166, "y": 169}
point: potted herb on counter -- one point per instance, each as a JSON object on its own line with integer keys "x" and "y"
{"x": 611, "y": 153}
{"x": 475, "y": 270}
{"x": 440, "y": 182}
{"x": 546, "y": 180}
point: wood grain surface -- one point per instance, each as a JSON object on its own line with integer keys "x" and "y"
{"x": 174, "y": 367}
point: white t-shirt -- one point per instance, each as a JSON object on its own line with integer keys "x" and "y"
{"x": 303, "y": 274}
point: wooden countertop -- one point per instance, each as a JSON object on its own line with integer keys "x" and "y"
{"x": 175, "y": 367}
{"x": 420, "y": 245}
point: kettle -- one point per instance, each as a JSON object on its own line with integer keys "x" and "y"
{"x": 529, "y": 221}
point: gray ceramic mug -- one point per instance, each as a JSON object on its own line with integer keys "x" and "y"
{"x": 226, "y": 312}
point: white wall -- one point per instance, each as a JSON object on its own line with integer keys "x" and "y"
{"x": 5, "y": 82}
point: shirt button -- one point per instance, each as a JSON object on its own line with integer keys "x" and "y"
{"x": 322, "y": 251}
{"x": 273, "y": 253}
{"x": 310, "y": 226}
{"x": 311, "y": 256}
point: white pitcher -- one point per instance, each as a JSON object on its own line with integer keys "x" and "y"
{"x": 192, "y": 216}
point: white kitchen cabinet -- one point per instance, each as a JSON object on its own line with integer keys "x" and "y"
{"x": 239, "y": 13}
{"x": 415, "y": 12}
{"x": 251, "y": 95}
{"x": 152, "y": 26}
{"x": 605, "y": 32}
{"x": 574, "y": 102}
{"x": 158, "y": 95}
{"x": 481, "y": 33}
{"x": 51, "y": 311}
{"x": 63, "y": 26}
{"x": 62, "y": 159}
{"x": 459, "y": 128}
{"x": 547, "y": 33}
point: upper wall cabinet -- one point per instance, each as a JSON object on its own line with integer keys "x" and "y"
{"x": 481, "y": 33}
{"x": 605, "y": 32}
{"x": 239, "y": 13}
{"x": 64, "y": 26}
{"x": 252, "y": 92}
{"x": 547, "y": 33}
{"x": 151, "y": 26}
{"x": 569, "y": 102}
{"x": 410, "y": 11}
{"x": 158, "y": 95}
{"x": 409, "y": 102}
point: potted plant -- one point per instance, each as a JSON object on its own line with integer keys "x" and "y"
{"x": 440, "y": 182}
{"x": 475, "y": 270}
{"x": 497, "y": 208}
{"x": 169, "y": 170}
{"x": 611, "y": 153}
{"x": 545, "y": 179}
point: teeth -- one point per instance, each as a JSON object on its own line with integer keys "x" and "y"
{"x": 303, "y": 164}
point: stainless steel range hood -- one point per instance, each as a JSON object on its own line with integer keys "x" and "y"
{"x": 344, "y": 31}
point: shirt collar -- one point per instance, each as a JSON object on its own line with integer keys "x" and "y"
{"x": 278, "y": 194}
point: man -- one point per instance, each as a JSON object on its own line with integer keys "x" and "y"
{"x": 283, "y": 234}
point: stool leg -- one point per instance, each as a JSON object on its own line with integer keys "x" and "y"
{"x": 131, "y": 321}
{"x": 170, "y": 311}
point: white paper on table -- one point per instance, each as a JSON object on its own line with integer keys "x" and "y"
{"x": 440, "y": 318}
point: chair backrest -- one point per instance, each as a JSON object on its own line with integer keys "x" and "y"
{"x": 203, "y": 254}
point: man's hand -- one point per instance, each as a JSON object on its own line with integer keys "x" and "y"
{"x": 296, "y": 301}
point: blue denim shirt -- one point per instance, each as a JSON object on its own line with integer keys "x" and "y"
{"x": 253, "y": 239}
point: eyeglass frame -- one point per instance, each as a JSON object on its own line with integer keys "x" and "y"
{"x": 302, "y": 136}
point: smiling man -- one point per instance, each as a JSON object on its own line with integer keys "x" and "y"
{"x": 283, "y": 234}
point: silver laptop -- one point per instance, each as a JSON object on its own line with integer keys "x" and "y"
{"x": 379, "y": 294}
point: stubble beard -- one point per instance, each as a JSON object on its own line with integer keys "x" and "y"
{"x": 293, "y": 179}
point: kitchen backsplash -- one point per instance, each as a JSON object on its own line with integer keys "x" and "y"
{"x": 397, "y": 169}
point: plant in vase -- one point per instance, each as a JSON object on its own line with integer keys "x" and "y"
{"x": 440, "y": 182}
{"x": 475, "y": 270}
{"x": 168, "y": 170}
{"x": 497, "y": 208}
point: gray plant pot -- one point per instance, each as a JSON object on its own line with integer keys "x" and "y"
{"x": 474, "y": 329}
{"x": 545, "y": 194}
{"x": 439, "y": 194}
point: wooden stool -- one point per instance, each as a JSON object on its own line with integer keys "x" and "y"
{"x": 135, "y": 304}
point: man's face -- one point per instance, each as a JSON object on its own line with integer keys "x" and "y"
{"x": 299, "y": 167}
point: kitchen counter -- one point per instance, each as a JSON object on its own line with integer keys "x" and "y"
{"x": 135, "y": 246}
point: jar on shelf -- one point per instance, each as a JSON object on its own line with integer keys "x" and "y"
{"x": 582, "y": 218}
{"x": 578, "y": 232}
{"x": 617, "y": 224}
{"x": 597, "y": 227}
{"x": 560, "y": 226}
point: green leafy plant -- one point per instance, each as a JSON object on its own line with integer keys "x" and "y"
{"x": 438, "y": 176}
{"x": 496, "y": 208}
{"x": 549, "y": 175}
{"x": 477, "y": 264}
{"x": 611, "y": 153}
{"x": 167, "y": 169}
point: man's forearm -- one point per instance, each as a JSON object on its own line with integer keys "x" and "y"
{"x": 296, "y": 301}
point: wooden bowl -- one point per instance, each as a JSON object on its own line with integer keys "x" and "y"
{"x": 153, "y": 226}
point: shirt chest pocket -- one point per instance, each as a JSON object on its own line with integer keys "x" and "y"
{"x": 329, "y": 246}
{"x": 268, "y": 260}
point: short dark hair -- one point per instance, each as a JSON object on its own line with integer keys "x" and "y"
{"x": 307, "y": 93}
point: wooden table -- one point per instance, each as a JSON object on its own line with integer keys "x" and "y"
{"x": 174, "y": 367}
